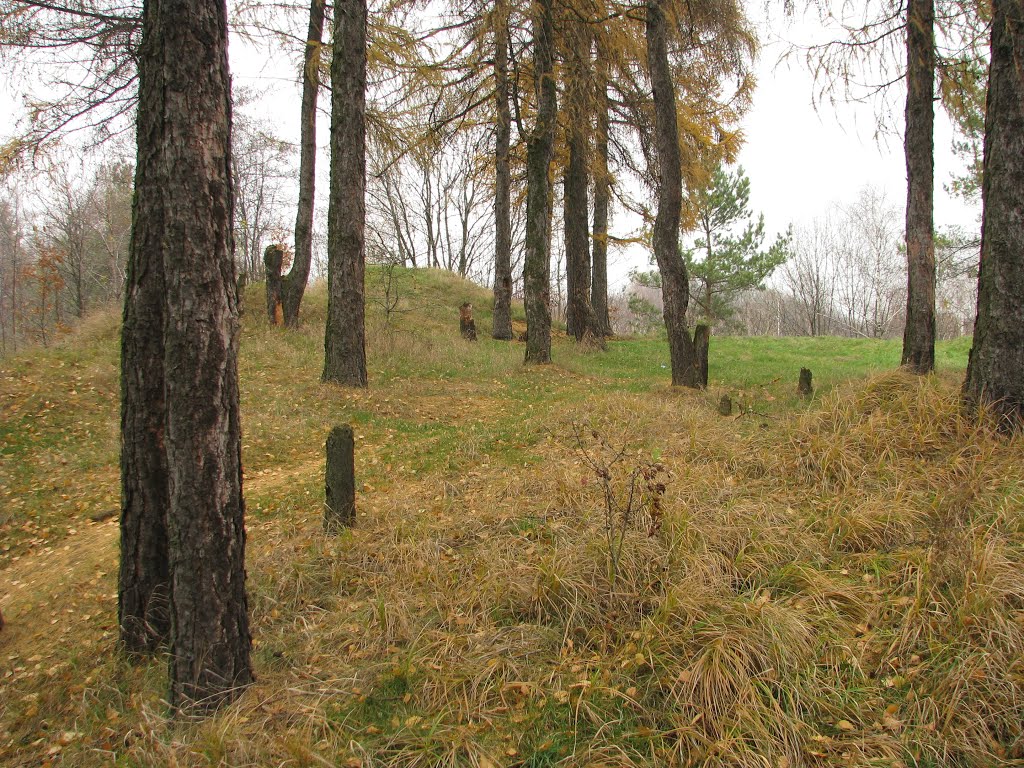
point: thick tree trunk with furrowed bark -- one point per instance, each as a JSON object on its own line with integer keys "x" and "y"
{"x": 502, "y": 328}
{"x": 210, "y": 639}
{"x": 919, "y": 331}
{"x": 537, "y": 267}
{"x": 293, "y": 285}
{"x": 675, "y": 287}
{"x": 144, "y": 577}
{"x": 995, "y": 371}
{"x": 345, "y": 339}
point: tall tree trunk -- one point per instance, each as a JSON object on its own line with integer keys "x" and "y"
{"x": 210, "y": 639}
{"x": 918, "y": 143}
{"x": 675, "y": 288}
{"x": 579, "y": 314}
{"x": 537, "y": 266}
{"x": 144, "y": 578}
{"x": 602, "y": 202}
{"x": 345, "y": 340}
{"x": 293, "y": 285}
{"x": 995, "y": 371}
{"x": 503, "y": 180}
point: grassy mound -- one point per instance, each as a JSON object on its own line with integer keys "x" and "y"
{"x": 571, "y": 565}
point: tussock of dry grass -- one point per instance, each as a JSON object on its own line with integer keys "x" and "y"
{"x": 843, "y": 587}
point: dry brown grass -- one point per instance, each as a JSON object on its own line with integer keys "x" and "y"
{"x": 843, "y": 587}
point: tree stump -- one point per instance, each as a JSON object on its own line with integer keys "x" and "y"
{"x": 466, "y": 325}
{"x": 725, "y": 405}
{"x": 701, "y": 343}
{"x": 804, "y": 387}
{"x": 340, "y": 490}
{"x": 273, "y": 260}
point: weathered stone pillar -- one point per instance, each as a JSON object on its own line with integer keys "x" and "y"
{"x": 340, "y": 490}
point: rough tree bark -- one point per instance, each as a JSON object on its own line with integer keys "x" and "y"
{"x": 537, "y": 266}
{"x": 294, "y": 283}
{"x": 345, "y": 339}
{"x": 144, "y": 577}
{"x": 602, "y": 203}
{"x": 995, "y": 371}
{"x": 675, "y": 287}
{"x": 210, "y": 639}
{"x": 503, "y": 180}
{"x": 918, "y": 143}
{"x": 579, "y": 313}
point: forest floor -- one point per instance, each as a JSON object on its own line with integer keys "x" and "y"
{"x": 833, "y": 582}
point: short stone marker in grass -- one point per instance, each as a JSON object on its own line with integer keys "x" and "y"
{"x": 804, "y": 388}
{"x": 340, "y": 490}
{"x": 467, "y": 327}
{"x": 725, "y": 405}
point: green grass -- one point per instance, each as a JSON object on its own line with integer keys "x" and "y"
{"x": 765, "y": 365}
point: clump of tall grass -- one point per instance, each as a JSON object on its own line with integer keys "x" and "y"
{"x": 908, "y": 486}
{"x": 873, "y": 434}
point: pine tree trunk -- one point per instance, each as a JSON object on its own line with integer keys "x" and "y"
{"x": 345, "y": 339}
{"x": 675, "y": 287}
{"x": 144, "y": 577}
{"x": 537, "y": 266}
{"x": 210, "y": 639}
{"x": 503, "y": 180}
{"x": 579, "y": 314}
{"x": 919, "y": 331}
{"x": 294, "y": 283}
{"x": 995, "y": 371}
{"x": 602, "y": 204}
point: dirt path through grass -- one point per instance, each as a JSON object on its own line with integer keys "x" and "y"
{"x": 44, "y": 590}
{"x": 48, "y": 589}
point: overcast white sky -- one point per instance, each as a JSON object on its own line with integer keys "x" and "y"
{"x": 799, "y": 160}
